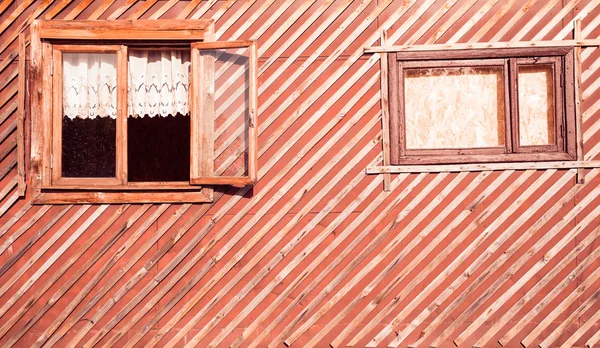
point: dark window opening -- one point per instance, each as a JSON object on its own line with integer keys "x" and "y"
{"x": 158, "y": 148}
{"x": 89, "y": 147}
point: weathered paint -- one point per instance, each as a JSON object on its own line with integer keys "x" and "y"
{"x": 317, "y": 251}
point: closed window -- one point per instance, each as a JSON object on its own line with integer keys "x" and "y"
{"x": 502, "y": 105}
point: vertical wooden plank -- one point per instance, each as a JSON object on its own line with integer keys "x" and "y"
{"x": 570, "y": 101}
{"x": 401, "y": 110}
{"x": 21, "y": 117}
{"x": 202, "y": 102}
{"x": 507, "y": 108}
{"x": 253, "y": 115}
{"x": 514, "y": 105}
{"x": 385, "y": 111}
{"x": 46, "y": 111}
{"x": 57, "y": 115}
{"x": 393, "y": 103}
{"x": 121, "y": 146}
{"x": 199, "y": 124}
{"x": 207, "y": 112}
{"x": 194, "y": 114}
{"x": 560, "y": 129}
{"x": 35, "y": 107}
{"x": 209, "y": 35}
{"x": 578, "y": 101}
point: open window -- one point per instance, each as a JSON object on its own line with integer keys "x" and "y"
{"x": 226, "y": 82}
{"x": 163, "y": 117}
{"x": 498, "y": 105}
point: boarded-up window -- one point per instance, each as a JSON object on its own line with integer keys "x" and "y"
{"x": 463, "y": 107}
{"x": 536, "y": 105}
{"x": 481, "y": 106}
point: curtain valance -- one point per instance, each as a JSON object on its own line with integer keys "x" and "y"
{"x": 158, "y": 84}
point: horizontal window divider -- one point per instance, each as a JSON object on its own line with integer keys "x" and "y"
{"x": 481, "y": 167}
{"x": 483, "y": 45}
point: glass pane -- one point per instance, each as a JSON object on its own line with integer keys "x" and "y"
{"x": 89, "y": 115}
{"x": 231, "y": 105}
{"x": 158, "y": 122}
{"x": 454, "y": 107}
{"x": 536, "y": 105}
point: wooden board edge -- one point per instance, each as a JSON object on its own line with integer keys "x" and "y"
{"x": 161, "y": 29}
{"x": 35, "y": 119}
{"x": 237, "y": 181}
{"x": 253, "y": 115}
{"x": 22, "y": 82}
{"x": 483, "y": 45}
{"x": 578, "y": 101}
{"x": 385, "y": 111}
{"x": 482, "y": 167}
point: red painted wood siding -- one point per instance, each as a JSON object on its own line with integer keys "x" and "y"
{"x": 316, "y": 254}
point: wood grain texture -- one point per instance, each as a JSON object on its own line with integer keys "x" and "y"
{"x": 578, "y": 100}
{"x": 385, "y": 110}
{"x": 21, "y": 115}
{"x": 485, "y": 45}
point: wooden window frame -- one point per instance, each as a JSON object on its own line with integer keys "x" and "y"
{"x": 201, "y": 163}
{"x": 48, "y": 40}
{"x": 560, "y": 58}
{"x": 57, "y": 181}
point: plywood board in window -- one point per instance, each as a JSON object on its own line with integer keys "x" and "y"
{"x": 536, "y": 105}
{"x": 454, "y": 107}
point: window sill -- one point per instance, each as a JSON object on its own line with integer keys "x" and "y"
{"x": 428, "y": 157}
{"x": 81, "y": 197}
{"x": 480, "y": 167}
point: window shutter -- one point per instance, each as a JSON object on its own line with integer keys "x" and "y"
{"x": 223, "y": 113}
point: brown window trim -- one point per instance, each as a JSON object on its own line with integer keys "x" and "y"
{"x": 561, "y": 58}
{"x": 50, "y": 38}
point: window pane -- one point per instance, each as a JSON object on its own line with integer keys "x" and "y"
{"x": 536, "y": 105}
{"x": 231, "y": 108}
{"x": 89, "y": 115}
{"x": 158, "y": 122}
{"x": 454, "y": 107}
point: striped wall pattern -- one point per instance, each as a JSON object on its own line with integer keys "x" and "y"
{"x": 316, "y": 254}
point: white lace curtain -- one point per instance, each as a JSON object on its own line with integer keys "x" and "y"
{"x": 158, "y": 84}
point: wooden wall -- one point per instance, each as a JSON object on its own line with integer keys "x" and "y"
{"x": 316, "y": 254}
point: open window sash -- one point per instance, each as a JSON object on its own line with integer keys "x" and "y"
{"x": 56, "y": 161}
{"x": 223, "y": 109}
